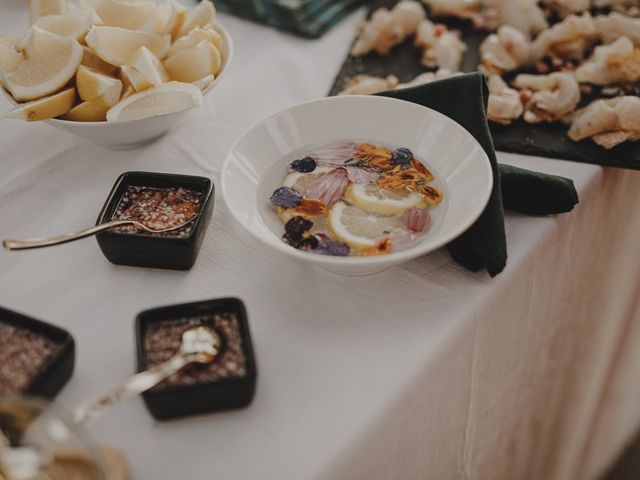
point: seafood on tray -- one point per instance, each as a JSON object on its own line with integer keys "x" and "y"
{"x": 575, "y": 62}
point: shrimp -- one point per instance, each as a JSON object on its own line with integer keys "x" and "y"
{"x": 505, "y": 51}
{"x": 428, "y": 77}
{"x": 454, "y": 8}
{"x": 525, "y": 15}
{"x": 567, "y": 7}
{"x": 568, "y": 39}
{"x": 387, "y": 28}
{"x": 617, "y": 62}
{"x": 368, "y": 85}
{"x": 442, "y": 47}
{"x": 608, "y": 122}
{"x": 613, "y": 26}
{"x": 504, "y": 102}
{"x": 548, "y": 97}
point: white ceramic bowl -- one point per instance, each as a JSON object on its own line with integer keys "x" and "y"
{"x": 136, "y": 133}
{"x": 254, "y": 168}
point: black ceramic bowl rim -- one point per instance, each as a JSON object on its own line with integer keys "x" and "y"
{"x": 47, "y": 330}
{"x": 208, "y": 193}
{"x": 247, "y": 346}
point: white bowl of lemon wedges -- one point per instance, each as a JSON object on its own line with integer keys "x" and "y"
{"x": 117, "y": 73}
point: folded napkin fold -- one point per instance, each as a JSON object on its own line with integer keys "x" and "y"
{"x": 463, "y": 98}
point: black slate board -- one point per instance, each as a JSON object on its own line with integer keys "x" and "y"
{"x": 545, "y": 139}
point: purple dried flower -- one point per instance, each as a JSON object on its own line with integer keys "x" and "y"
{"x": 285, "y": 197}
{"x": 416, "y": 219}
{"x": 361, "y": 175}
{"x": 328, "y": 188}
{"x": 401, "y": 156}
{"x": 328, "y": 246}
{"x": 298, "y": 226}
{"x": 304, "y": 165}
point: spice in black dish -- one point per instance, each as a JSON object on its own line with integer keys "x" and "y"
{"x": 23, "y": 355}
{"x": 162, "y": 341}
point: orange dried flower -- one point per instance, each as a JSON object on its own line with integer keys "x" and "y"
{"x": 309, "y": 207}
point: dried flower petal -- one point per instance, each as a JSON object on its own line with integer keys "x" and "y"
{"x": 304, "y": 165}
{"x": 416, "y": 219}
{"x": 309, "y": 207}
{"x": 296, "y": 230}
{"x": 401, "y": 156}
{"x": 328, "y": 188}
{"x": 381, "y": 248}
{"x": 403, "y": 241}
{"x": 285, "y": 197}
{"x": 328, "y": 246}
{"x": 361, "y": 175}
{"x": 434, "y": 196}
{"x": 335, "y": 154}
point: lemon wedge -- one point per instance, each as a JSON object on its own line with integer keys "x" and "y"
{"x": 73, "y": 24}
{"x": 90, "y": 59}
{"x": 204, "y": 82}
{"x": 193, "y": 63}
{"x": 40, "y": 8}
{"x": 167, "y": 98}
{"x": 52, "y": 62}
{"x": 170, "y": 15}
{"x": 95, "y": 110}
{"x": 10, "y": 57}
{"x": 138, "y": 15}
{"x": 133, "y": 78}
{"x": 300, "y": 181}
{"x": 194, "y": 37}
{"x": 91, "y": 83}
{"x": 148, "y": 65}
{"x": 48, "y": 107}
{"x": 200, "y": 16}
{"x": 381, "y": 201}
{"x": 360, "y": 229}
{"x": 117, "y": 46}
{"x": 127, "y": 92}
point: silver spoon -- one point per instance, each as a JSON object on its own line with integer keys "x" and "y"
{"x": 199, "y": 345}
{"x": 70, "y": 237}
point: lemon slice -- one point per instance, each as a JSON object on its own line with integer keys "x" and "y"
{"x": 48, "y": 107}
{"x": 90, "y": 59}
{"x": 194, "y": 37}
{"x": 204, "y": 82}
{"x": 91, "y": 83}
{"x": 133, "y": 78}
{"x": 40, "y": 8}
{"x": 300, "y": 181}
{"x": 117, "y": 46}
{"x": 383, "y": 201}
{"x": 360, "y": 229}
{"x": 149, "y": 67}
{"x": 95, "y": 110}
{"x": 74, "y": 24}
{"x": 10, "y": 57}
{"x": 52, "y": 64}
{"x": 167, "y": 98}
{"x": 200, "y": 16}
{"x": 138, "y": 15}
{"x": 193, "y": 63}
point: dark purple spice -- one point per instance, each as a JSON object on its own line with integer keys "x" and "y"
{"x": 328, "y": 246}
{"x": 401, "y": 156}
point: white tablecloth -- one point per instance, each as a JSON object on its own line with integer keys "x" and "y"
{"x": 425, "y": 371}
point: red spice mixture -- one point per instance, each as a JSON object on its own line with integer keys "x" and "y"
{"x": 162, "y": 341}
{"x": 23, "y": 354}
{"x": 158, "y": 208}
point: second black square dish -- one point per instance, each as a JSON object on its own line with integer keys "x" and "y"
{"x": 157, "y": 200}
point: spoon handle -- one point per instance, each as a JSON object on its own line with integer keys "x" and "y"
{"x": 68, "y": 237}
{"x": 129, "y": 388}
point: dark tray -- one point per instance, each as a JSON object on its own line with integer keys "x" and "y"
{"x": 545, "y": 139}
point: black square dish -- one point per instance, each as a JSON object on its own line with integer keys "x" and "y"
{"x": 37, "y": 359}
{"x": 175, "y": 250}
{"x": 226, "y": 383}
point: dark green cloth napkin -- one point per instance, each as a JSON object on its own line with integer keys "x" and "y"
{"x": 536, "y": 193}
{"x": 484, "y": 246}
